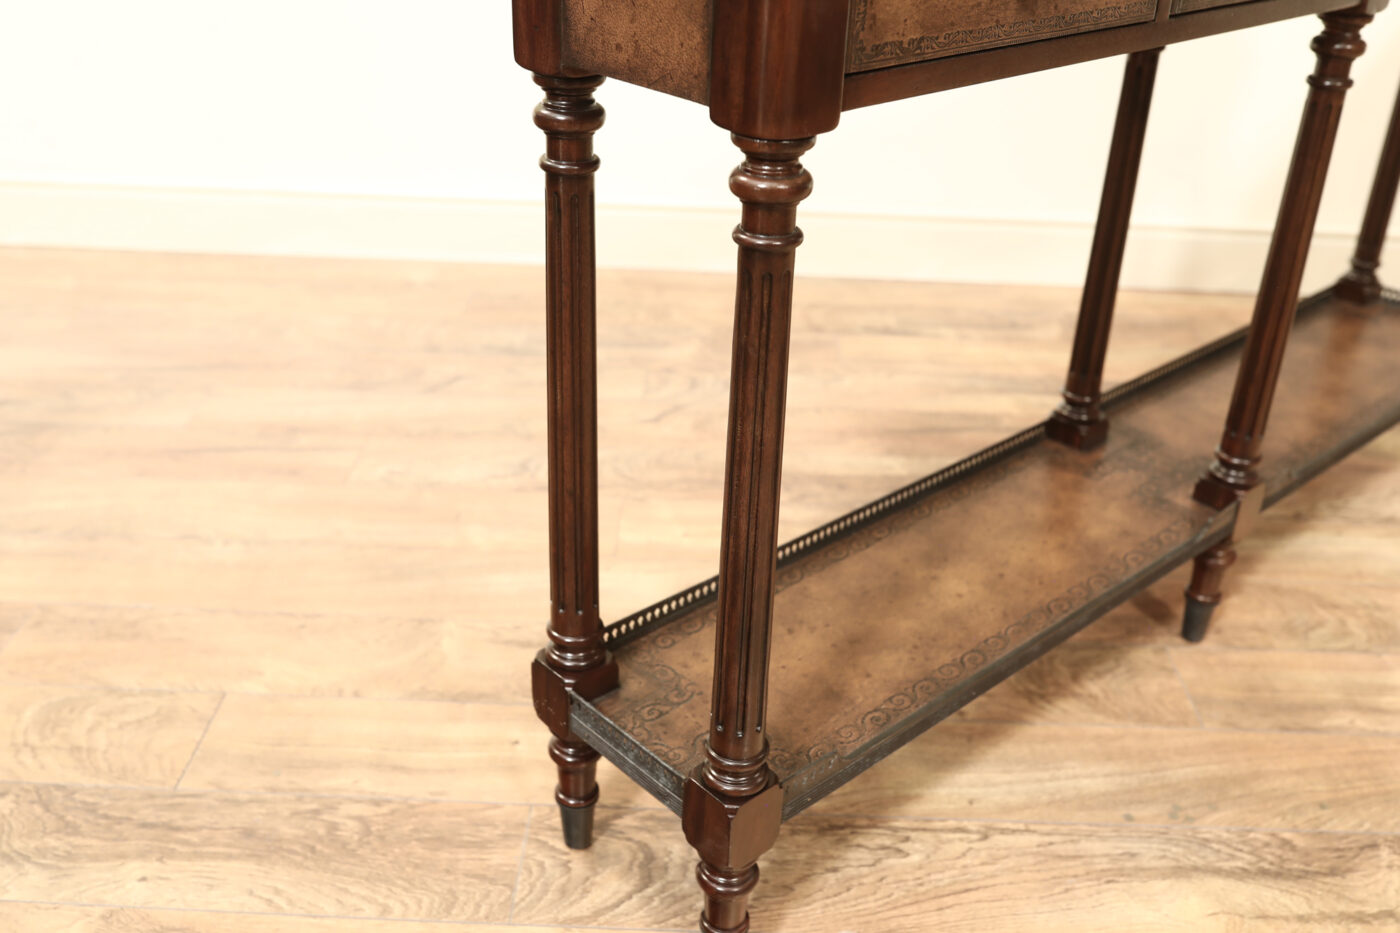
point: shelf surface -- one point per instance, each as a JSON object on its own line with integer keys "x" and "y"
{"x": 893, "y": 617}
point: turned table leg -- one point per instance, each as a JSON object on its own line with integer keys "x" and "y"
{"x": 1203, "y": 592}
{"x": 733, "y": 804}
{"x": 1233, "y": 473}
{"x": 1078, "y": 421}
{"x": 1360, "y": 284}
{"x": 575, "y": 660}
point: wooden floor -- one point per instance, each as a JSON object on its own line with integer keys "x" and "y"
{"x": 272, "y": 563}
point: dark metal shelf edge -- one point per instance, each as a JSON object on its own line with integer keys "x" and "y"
{"x": 631, "y": 757}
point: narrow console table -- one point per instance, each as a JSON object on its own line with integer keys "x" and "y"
{"x": 890, "y": 618}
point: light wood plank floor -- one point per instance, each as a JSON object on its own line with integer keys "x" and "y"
{"x": 272, "y": 564}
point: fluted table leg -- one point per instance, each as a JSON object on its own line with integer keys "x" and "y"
{"x": 1078, "y": 421}
{"x": 1233, "y": 474}
{"x": 575, "y": 659}
{"x": 733, "y": 804}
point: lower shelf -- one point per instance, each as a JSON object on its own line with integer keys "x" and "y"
{"x": 890, "y": 618}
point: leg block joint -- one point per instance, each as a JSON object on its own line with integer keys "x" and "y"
{"x": 551, "y": 688}
{"x": 731, "y": 832}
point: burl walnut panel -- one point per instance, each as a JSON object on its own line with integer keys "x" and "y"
{"x": 898, "y": 32}
{"x": 664, "y": 46}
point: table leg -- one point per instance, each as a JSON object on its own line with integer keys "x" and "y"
{"x": 733, "y": 804}
{"x": 1233, "y": 473}
{"x": 575, "y": 660}
{"x": 1360, "y": 284}
{"x": 1078, "y": 421}
{"x": 1204, "y": 591}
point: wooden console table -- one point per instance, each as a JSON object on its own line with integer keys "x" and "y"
{"x": 889, "y": 618}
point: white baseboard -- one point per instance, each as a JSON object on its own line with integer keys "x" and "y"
{"x": 853, "y": 246}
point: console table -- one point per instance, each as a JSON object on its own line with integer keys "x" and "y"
{"x": 890, "y": 618}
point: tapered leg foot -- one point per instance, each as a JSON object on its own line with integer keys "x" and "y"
{"x": 578, "y": 826}
{"x": 577, "y": 792}
{"x": 1197, "y": 620}
{"x": 1203, "y": 592}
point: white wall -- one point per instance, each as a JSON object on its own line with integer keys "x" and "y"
{"x": 363, "y": 127}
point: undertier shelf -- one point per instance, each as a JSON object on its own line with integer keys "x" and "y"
{"x": 894, "y": 616}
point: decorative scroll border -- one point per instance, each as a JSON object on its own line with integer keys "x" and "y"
{"x": 920, "y": 48}
{"x": 856, "y": 733}
{"x": 676, "y": 691}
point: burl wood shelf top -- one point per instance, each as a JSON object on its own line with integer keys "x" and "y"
{"x": 888, "y": 623}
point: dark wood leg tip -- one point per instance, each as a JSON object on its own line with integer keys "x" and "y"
{"x": 1081, "y": 435}
{"x": 1197, "y": 619}
{"x": 578, "y": 826}
{"x": 1203, "y": 592}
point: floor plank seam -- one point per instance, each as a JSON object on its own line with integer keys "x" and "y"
{"x": 303, "y": 795}
{"x": 520, "y": 864}
{"x": 1121, "y": 824}
{"x": 200, "y": 743}
{"x": 421, "y": 921}
{"x": 204, "y": 691}
{"x": 658, "y": 808}
{"x": 1208, "y": 648}
{"x": 1162, "y": 727}
{"x": 1190, "y": 697}
{"x": 217, "y": 610}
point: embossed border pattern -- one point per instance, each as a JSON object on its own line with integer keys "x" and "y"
{"x": 864, "y": 57}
